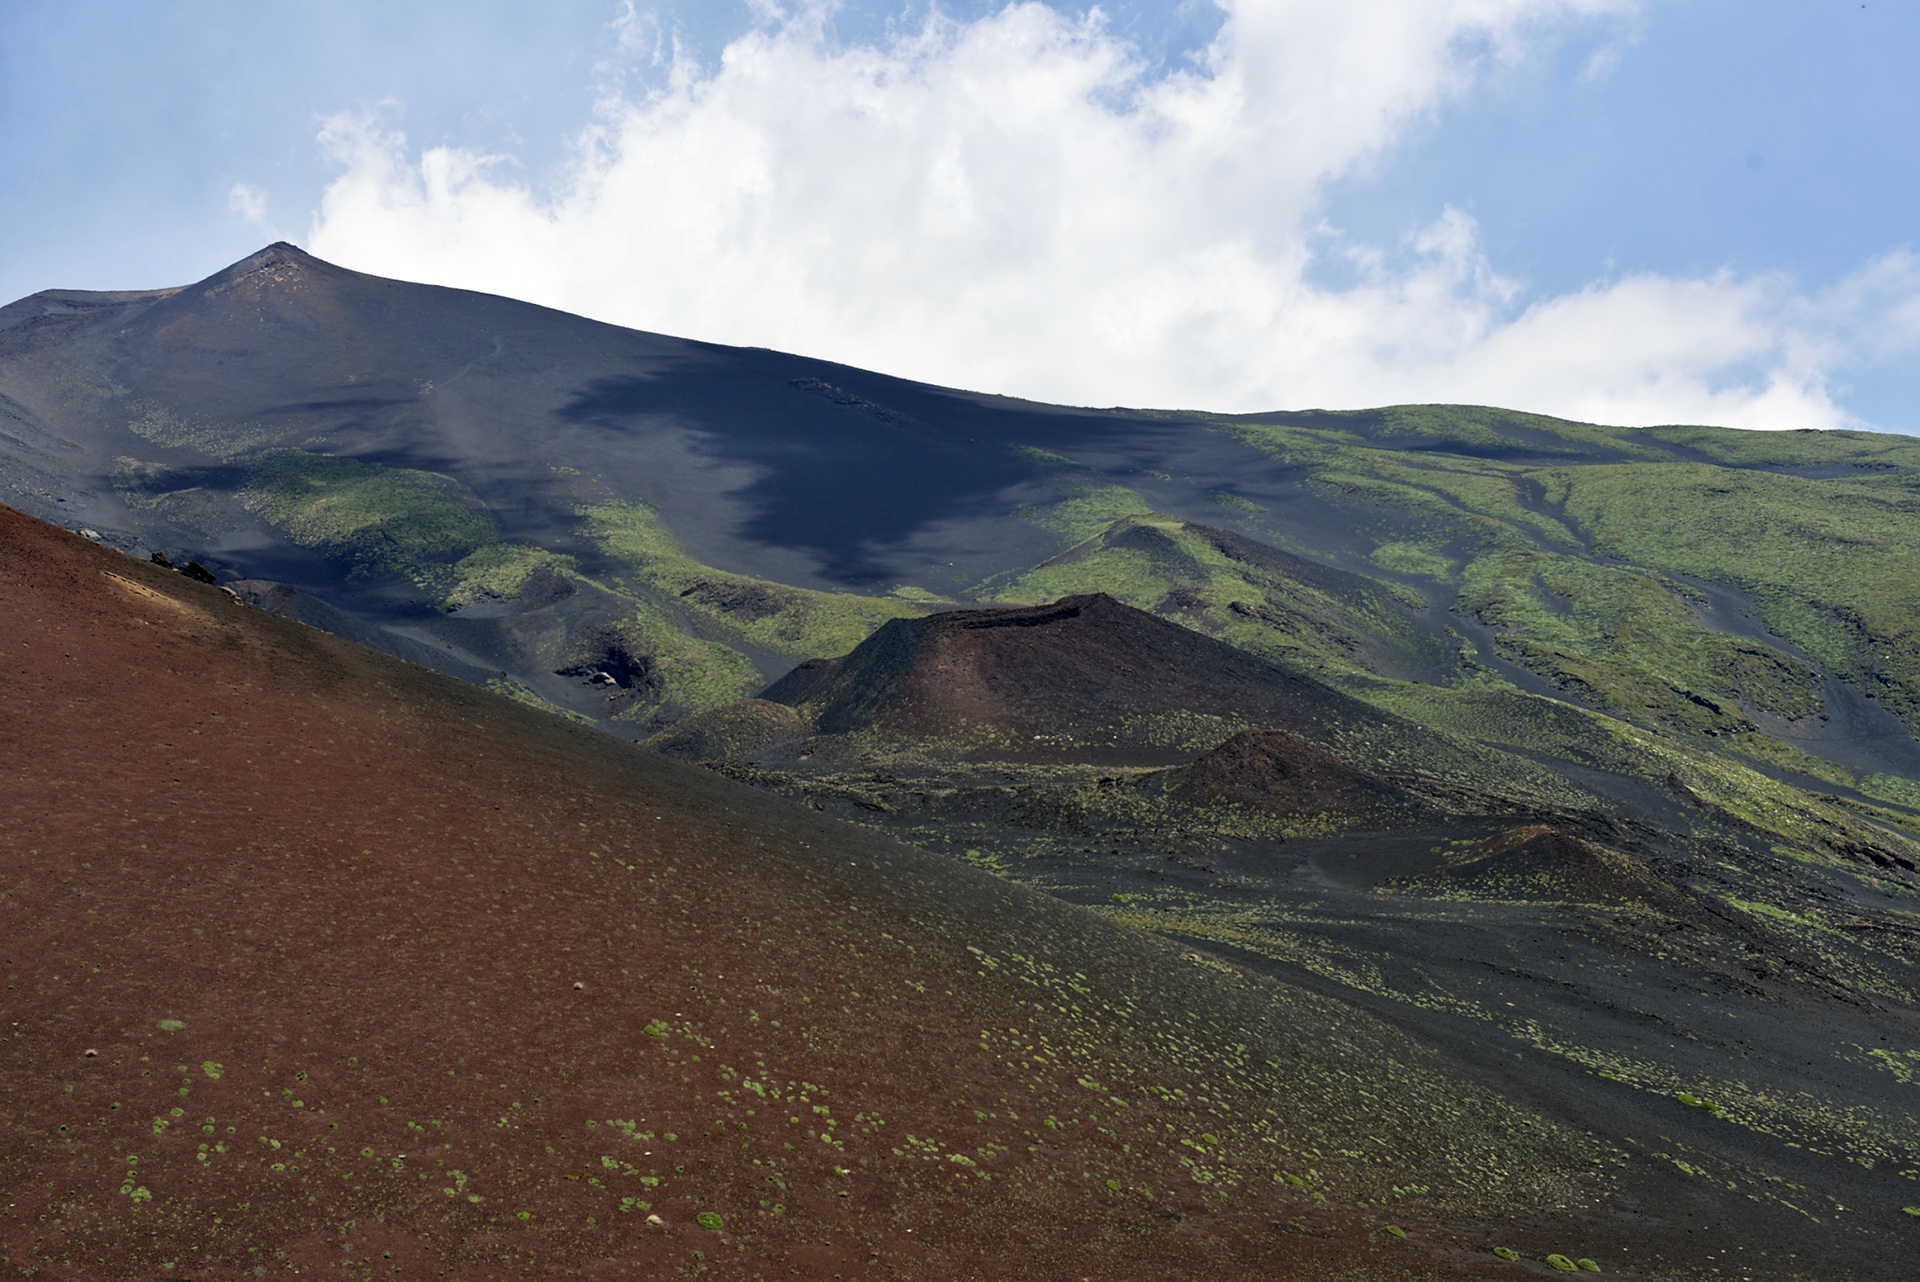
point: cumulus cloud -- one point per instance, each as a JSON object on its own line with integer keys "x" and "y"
{"x": 1020, "y": 203}
{"x": 250, "y": 203}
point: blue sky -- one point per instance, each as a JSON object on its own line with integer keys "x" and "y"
{"x": 1636, "y": 211}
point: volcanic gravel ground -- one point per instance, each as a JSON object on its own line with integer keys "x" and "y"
{"x": 1585, "y": 1014}
{"x": 319, "y": 963}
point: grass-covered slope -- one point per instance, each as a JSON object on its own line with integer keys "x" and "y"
{"x": 375, "y": 519}
{"x": 795, "y": 623}
{"x": 1248, "y": 594}
{"x": 1829, "y": 560}
{"x": 1707, "y": 583}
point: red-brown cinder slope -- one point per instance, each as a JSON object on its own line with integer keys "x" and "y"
{"x": 318, "y": 961}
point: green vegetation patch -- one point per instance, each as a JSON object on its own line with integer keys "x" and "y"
{"x": 1245, "y": 593}
{"x": 1088, "y": 508}
{"x": 1902, "y": 792}
{"x": 1621, "y": 640}
{"x": 179, "y": 495}
{"x": 796, "y": 622}
{"x": 223, "y": 440}
{"x": 1828, "y": 561}
{"x": 381, "y": 520}
{"x": 533, "y": 699}
{"x": 1904, "y": 1065}
{"x": 687, "y": 674}
{"x": 1874, "y": 450}
{"x": 1410, "y": 558}
{"x": 729, "y": 731}
{"x": 500, "y": 570}
{"x": 1126, "y": 574}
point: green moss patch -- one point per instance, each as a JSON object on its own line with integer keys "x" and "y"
{"x": 1246, "y": 593}
{"x": 1829, "y": 561}
{"x": 796, "y": 622}
{"x": 501, "y": 570}
{"x": 381, "y": 520}
{"x": 686, "y": 674}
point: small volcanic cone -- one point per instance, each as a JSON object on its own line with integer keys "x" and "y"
{"x": 1540, "y": 862}
{"x": 1086, "y": 671}
{"x": 1285, "y": 774}
{"x": 746, "y": 725}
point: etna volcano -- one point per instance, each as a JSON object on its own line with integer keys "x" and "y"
{"x": 593, "y": 803}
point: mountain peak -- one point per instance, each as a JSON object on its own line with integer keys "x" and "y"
{"x": 280, "y": 254}
{"x": 278, "y": 251}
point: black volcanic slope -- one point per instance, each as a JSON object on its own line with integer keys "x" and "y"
{"x": 635, "y": 528}
{"x": 765, "y": 463}
{"x": 351, "y": 437}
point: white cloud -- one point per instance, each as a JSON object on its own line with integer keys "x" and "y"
{"x": 1020, "y": 204}
{"x": 250, "y": 203}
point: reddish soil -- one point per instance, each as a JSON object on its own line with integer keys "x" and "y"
{"x": 319, "y": 963}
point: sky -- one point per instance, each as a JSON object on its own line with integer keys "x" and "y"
{"x": 1623, "y": 211}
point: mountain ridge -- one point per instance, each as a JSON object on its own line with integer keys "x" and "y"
{"x": 403, "y": 472}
